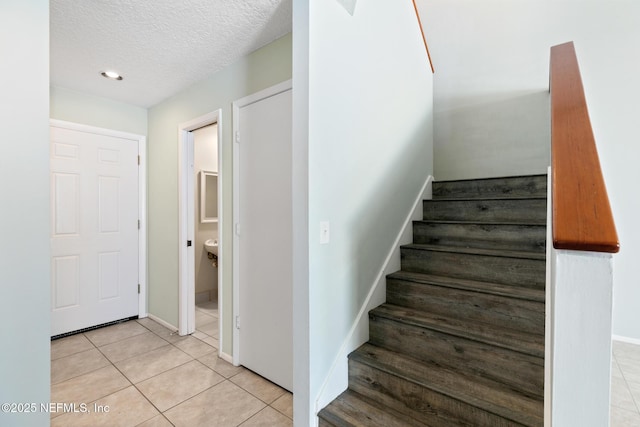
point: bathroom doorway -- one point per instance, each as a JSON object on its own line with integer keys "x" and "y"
{"x": 200, "y": 221}
{"x": 205, "y": 162}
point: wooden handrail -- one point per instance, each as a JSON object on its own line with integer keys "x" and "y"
{"x": 582, "y": 218}
{"x": 424, "y": 39}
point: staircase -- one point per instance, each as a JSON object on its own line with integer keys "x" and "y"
{"x": 460, "y": 340}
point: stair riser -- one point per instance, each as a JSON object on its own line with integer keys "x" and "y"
{"x": 518, "y": 371}
{"x": 525, "y": 186}
{"x": 510, "y": 211}
{"x": 323, "y": 423}
{"x": 497, "y": 310}
{"x": 488, "y": 236}
{"x": 503, "y": 270}
{"x": 429, "y": 406}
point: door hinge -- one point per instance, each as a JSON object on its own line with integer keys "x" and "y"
{"x": 188, "y": 243}
{"x": 237, "y": 137}
{"x": 237, "y": 322}
{"x": 138, "y": 159}
{"x": 237, "y": 229}
{"x": 138, "y": 287}
{"x": 138, "y": 224}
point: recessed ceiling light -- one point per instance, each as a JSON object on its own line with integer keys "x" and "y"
{"x": 111, "y": 75}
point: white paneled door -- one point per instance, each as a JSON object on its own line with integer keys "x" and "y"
{"x": 265, "y": 235}
{"x": 94, "y": 229}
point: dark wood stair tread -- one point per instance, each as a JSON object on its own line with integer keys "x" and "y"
{"x": 496, "y": 398}
{"x": 479, "y": 251}
{"x": 351, "y": 409}
{"x": 479, "y": 199}
{"x": 528, "y": 294}
{"x": 494, "y": 178}
{"x": 479, "y": 222}
{"x": 503, "y": 337}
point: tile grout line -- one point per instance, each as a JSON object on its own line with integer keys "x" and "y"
{"x": 78, "y": 352}
{"x": 195, "y": 395}
{"x": 252, "y": 416}
{"x": 225, "y": 379}
{"x": 123, "y": 374}
{"x": 626, "y": 383}
{"x": 131, "y": 384}
{"x": 242, "y": 388}
{"x": 208, "y": 388}
{"x": 134, "y": 385}
{"x": 146, "y": 379}
{"x": 136, "y": 355}
{"x": 278, "y": 410}
{"x": 182, "y": 364}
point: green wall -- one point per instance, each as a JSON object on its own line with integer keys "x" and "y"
{"x": 261, "y": 69}
{"x": 77, "y": 107}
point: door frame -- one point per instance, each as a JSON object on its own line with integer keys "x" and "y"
{"x": 142, "y": 197}
{"x": 186, "y": 231}
{"x": 236, "y": 106}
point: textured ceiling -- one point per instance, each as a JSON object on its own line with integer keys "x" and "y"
{"x": 159, "y": 46}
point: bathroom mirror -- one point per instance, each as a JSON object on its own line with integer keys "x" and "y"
{"x": 208, "y": 196}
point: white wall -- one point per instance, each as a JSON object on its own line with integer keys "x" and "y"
{"x": 580, "y": 344}
{"x": 489, "y": 51}
{"x": 205, "y": 153}
{"x": 25, "y": 304}
{"x": 259, "y": 70}
{"x": 78, "y": 107}
{"x": 490, "y": 86}
{"x": 369, "y": 145}
{"x": 303, "y": 406}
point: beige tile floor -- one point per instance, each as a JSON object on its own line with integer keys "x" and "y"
{"x": 146, "y": 375}
{"x": 625, "y": 385}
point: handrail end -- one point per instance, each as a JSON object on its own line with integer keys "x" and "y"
{"x": 604, "y": 247}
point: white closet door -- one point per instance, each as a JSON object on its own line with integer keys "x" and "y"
{"x": 94, "y": 229}
{"x": 265, "y": 240}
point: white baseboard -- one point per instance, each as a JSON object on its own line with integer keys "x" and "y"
{"x": 162, "y": 322}
{"x": 337, "y": 379}
{"x": 625, "y": 339}
{"x": 226, "y": 357}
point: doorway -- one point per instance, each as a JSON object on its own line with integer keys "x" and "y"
{"x": 198, "y": 163}
{"x": 205, "y": 153}
{"x": 206, "y": 237}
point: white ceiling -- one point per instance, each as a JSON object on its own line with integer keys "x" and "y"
{"x": 159, "y": 46}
